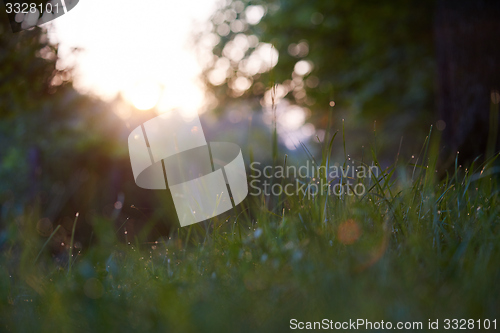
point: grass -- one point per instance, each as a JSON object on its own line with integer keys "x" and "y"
{"x": 413, "y": 248}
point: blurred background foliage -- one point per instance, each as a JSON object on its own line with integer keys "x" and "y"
{"x": 397, "y": 67}
{"x": 405, "y": 65}
{"x": 374, "y": 59}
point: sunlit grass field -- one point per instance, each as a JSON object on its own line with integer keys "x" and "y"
{"x": 416, "y": 246}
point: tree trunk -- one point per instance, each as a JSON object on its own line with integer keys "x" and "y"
{"x": 467, "y": 35}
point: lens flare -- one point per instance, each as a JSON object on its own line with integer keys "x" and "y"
{"x": 348, "y": 232}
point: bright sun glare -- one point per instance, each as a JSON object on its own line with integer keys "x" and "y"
{"x": 139, "y": 51}
{"x": 144, "y": 95}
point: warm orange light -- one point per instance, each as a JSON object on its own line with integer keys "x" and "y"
{"x": 349, "y": 232}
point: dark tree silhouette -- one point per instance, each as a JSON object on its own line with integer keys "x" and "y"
{"x": 468, "y": 57}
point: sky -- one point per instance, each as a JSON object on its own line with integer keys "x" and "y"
{"x": 137, "y": 48}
